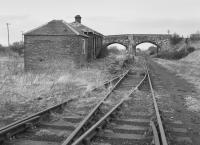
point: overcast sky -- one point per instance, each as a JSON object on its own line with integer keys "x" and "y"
{"x": 105, "y": 16}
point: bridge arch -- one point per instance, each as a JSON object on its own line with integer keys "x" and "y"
{"x": 152, "y": 42}
{"x": 147, "y": 41}
{"x": 111, "y": 43}
{"x": 162, "y": 41}
{"x": 147, "y": 46}
{"x": 105, "y": 50}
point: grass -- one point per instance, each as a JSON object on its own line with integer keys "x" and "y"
{"x": 22, "y": 93}
{"x": 188, "y": 68}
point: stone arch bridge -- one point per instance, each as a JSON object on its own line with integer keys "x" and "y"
{"x": 130, "y": 41}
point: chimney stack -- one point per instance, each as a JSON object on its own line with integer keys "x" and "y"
{"x": 78, "y": 18}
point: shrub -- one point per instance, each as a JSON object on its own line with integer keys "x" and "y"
{"x": 173, "y": 54}
{"x": 179, "y": 54}
{"x": 175, "y": 39}
{"x": 195, "y": 36}
{"x": 18, "y": 47}
{"x": 2, "y": 49}
{"x": 114, "y": 50}
{"x": 5, "y": 51}
{"x": 152, "y": 50}
{"x": 190, "y": 49}
{"x": 164, "y": 55}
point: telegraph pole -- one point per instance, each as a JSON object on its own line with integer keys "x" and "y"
{"x": 7, "y": 24}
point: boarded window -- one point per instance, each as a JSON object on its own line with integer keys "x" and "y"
{"x": 83, "y": 46}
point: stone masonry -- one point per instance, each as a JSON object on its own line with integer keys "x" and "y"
{"x": 43, "y": 52}
{"x": 130, "y": 41}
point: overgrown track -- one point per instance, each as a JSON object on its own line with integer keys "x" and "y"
{"x": 121, "y": 125}
{"x": 127, "y": 114}
{"x": 9, "y": 132}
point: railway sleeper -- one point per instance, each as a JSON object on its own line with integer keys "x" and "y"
{"x": 9, "y": 134}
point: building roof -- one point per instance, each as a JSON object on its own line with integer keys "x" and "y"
{"x": 54, "y": 27}
{"x": 60, "y": 27}
{"x": 82, "y": 28}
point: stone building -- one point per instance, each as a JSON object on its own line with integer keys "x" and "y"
{"x": 57, "y": 43}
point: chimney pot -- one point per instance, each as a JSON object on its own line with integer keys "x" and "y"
{"x": 78, "y": 18}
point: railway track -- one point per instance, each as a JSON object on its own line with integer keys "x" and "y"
{"x": 9, "y": 133}
{"x": 127, "y": 114}
{"x": 135, "y": 119}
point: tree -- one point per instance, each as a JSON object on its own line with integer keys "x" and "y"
{"x": 175, "y": 39}
{"x": 195, "y": 36}
{"x": 114, "y": 50}
{"x": 18, "y": 47}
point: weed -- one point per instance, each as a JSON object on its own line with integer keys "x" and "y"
{"x": 24, "y": 93}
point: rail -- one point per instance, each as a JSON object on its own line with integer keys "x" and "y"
{"x": 6, "y": 131}
{"x": 96, "y": 125}
{"x": 85, "y": 137}
{"x": 19, "y": 126}
{"x": 72, "y": 136}
{"x": 161, "y": 129}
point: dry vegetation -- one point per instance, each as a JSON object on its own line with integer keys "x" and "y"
{"x": 23, "y": 93}
{"x": 187, "y": 68}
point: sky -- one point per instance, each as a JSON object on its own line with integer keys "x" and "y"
{"x": 105, "y": 16}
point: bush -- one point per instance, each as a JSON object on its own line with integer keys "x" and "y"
{"x": 5, "y": 51}
{"x": 114, "y": 50}
{"x": 180, "y": 54}
{"x": 173, "y": 54}
{"x": 195, "y": 36}
{"x": 164, "y": 55}
{"x": 2, "y": 49}
{"x": 152, "y": 50}
{"x": 175, "y": 39}
{"x": 18, "y": 47}
{"x": 190, "y": 49}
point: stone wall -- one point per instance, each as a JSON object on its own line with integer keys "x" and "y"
{"x": 121, "y": 39}
{"x": 43, "y": 52}
{"x": 161, "y": 40}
